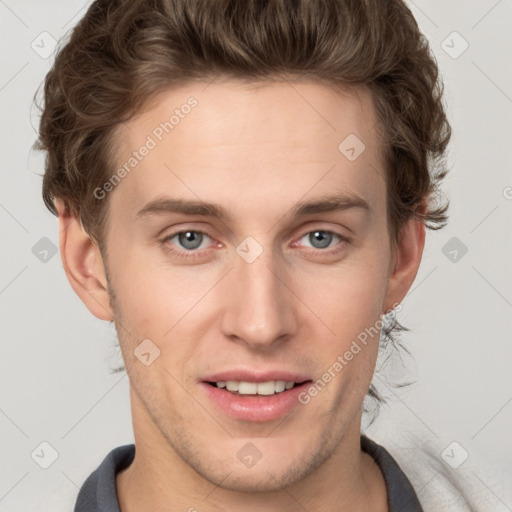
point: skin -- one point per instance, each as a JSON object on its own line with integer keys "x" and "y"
{"x": 255, "y": 150}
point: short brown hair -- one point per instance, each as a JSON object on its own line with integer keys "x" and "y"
{"x": 122, "y": 53}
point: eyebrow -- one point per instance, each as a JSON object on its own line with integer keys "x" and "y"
{"x": 326, "y": 204}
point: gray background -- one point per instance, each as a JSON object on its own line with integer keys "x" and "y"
{"x": 56, "y": 357}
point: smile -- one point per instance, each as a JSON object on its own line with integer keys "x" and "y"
{"x": 254, "y": 402}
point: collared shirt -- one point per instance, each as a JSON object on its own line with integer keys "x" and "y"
{"x": 98, "y": 493}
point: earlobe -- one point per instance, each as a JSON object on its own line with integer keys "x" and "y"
{"x": 83, "y": 264}
{"x": 405, "y": 262}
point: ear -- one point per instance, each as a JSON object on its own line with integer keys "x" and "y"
{"x": 405, "y": 261}
{"x": 83, "y": 264}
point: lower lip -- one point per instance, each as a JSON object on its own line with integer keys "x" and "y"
{"x": 255, "y": 408}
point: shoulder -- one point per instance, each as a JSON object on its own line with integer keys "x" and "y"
{"x": 98, "y": 493}
{"x": 472, "y": 486}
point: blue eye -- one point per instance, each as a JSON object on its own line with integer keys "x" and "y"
{"x": 320, "y": 239}
{"x": 197, "y": 244}
{"x": 189, "y": 240}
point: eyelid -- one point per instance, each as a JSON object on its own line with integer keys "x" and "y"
{"x": 342, "y": 238}
{"x": 172, "y": 235}
{"x": 199, "y": 252}
{"x": 190, "y": 255}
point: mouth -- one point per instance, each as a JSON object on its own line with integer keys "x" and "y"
{"x": 245, "y": 388}
{"x": 255, "y": 401}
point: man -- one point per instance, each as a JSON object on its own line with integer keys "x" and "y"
{"x": 243, "y": 187}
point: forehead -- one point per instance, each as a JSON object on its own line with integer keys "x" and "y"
{"x": 290, "y": 138}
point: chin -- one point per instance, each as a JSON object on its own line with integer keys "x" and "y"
{"x": 274, "y": 473}
{"x": 264, "y": 479}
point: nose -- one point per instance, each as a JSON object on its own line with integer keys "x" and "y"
{"x": 260, "y": 309}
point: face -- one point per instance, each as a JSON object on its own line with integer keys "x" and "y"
{"x": 248, "y": 246}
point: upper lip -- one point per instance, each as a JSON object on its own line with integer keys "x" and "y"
{"x": 252, "y": 376}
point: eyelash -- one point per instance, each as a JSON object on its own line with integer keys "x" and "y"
{"x": 198, "y": 253}
{"x": 195, "y": 253}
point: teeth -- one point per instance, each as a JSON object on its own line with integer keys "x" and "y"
{"x": 231, "y": 385}
{"x": 248, "y": 388}
{"x": 265, "y": 388}
{"x": 256, "y": 388}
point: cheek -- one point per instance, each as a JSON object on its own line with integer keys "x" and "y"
{"x": 351, "y": 306}
{"x": 154, "y": 296}
{"x": 141, "y": 295}
{"x": 348, "y": 297}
